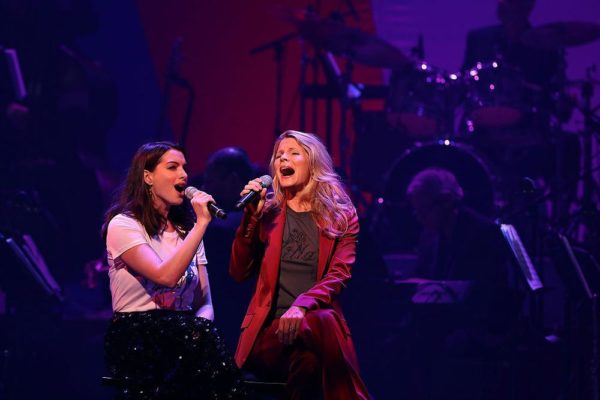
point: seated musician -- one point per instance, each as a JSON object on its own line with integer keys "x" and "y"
{"x": 456, "y": 244}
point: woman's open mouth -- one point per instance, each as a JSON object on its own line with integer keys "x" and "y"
{"x": 287, "y": 171}
{"x": 180, "y": 187}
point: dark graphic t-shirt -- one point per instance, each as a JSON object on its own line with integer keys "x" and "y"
{"x": 299, "y": 258}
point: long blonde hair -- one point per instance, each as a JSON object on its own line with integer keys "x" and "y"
{"x": 331, "y": 206}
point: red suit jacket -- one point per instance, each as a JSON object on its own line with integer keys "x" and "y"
{"x": 257, "y": 248}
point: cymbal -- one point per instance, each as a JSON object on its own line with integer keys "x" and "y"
{"x": 562, "y": 34}
{"x": 580, "y": 82}
{"x": 353, "y": 43}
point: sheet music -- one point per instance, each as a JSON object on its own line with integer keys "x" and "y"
{"x": 15, "y": 74}
{"x": 514, "y": 241}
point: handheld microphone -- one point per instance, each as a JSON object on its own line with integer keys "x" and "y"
{"x": 265, "y": 181}
{"x": 215, "y": 211}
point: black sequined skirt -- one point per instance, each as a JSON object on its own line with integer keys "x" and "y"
{"x": 170, "y": 355}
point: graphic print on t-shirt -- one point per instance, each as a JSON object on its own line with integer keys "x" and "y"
{"x": 168, "y": 298}
{"x": 296, "y": 248}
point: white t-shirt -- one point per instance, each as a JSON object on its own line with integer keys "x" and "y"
{"x": 130, "y": 290}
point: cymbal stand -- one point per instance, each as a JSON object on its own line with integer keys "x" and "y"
{"x": 173, "y": 77}
{"x": 316, "y": 9}
{"x": 345, "y": 87}
{"x": 307, "y": 61}
{"x": 346, "y": 92}
{"x": 278, "y": 46}
{"x": 588, "y": 210}
{"x": 344, "y": 107}
{"x": 339, "y": 84}
{"x": 173, "y": 66}
{"x": 562, "y": 198}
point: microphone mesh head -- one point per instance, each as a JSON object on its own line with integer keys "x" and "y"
{"x": 266, "y": 181}
{"x": 190, "y": 191}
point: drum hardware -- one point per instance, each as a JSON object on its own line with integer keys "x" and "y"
{"x": 591, "y": 126}
{"x": 352, "y": 43}
{"x": 505, "y": 115}
{"x": 497, "y": 96}
{"x": 330, "y": 36}
{"x": 421, "y": 101}
{"x": 422, "y": 98}
{"x": 278, "y": 46}
{"x": 500, "y": 107}
{"x": 326, "y": 91}
{"x": 173, "y": 77}
{"x": 558, "y": 35}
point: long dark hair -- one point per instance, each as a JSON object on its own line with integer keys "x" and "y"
{"x": 134, "y": 198}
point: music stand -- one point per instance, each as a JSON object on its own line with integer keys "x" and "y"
{"x": 10, "y": 68}
{"x": 27, "y": 261}
{"x": 520, "y": 255}
{"x": 31, "y": 291}
{"x": 571, "y": 271}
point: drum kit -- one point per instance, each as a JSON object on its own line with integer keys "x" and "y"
{"x": 460, "y": 120}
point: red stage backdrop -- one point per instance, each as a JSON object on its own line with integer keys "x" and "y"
{"x": 235, "y": 91}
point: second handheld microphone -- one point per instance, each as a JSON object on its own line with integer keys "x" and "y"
{"x": 191, "y": 191}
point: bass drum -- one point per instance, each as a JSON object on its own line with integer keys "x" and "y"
{"x": 471, "y": 171}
